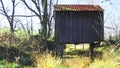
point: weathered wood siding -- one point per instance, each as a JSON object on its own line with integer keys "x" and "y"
{"x": 79, "y": 26}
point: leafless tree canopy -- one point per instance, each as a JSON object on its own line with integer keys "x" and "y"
{"x": 9, "y": 18}
{"x": 43, "y": 12}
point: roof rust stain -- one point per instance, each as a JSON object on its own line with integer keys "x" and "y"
{"x": 77, "y": 8}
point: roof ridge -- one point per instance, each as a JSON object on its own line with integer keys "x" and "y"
{"x": 78, "y": 7}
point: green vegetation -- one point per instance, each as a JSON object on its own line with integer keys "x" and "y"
{"x": 6, "y": 64}
{"x": 23, "y": 52}
{"x": 17, "y": 33}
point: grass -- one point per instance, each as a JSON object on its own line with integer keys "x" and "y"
{"x": 78, "y": 58}
{"x": 18, "y": 33}
{"x": 4, "y": 30}
{"x": 77, "y": 62}
{"x": 6, "y": 64}
{"x": 103, "y": 64}
{"x": 103, "y": 58}
{"x": 108, "y": 61}
{"x": 47, "y": 61}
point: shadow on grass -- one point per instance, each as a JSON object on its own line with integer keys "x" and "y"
{"x": 83, "y": 53}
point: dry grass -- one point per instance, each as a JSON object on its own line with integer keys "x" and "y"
{"x": 77, "y": 62}
{"x": 103, "y": 64}
{"x": 47, "y": 61}
{"x": 109, "y": 63}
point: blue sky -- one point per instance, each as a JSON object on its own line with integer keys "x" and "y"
{"x": 111, "y": 13}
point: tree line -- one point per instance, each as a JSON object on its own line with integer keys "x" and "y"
{"x": 42, "y": 9}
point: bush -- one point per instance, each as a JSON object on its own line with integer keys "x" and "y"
{"x": 25, "y": 59}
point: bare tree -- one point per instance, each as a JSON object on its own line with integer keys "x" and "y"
{"x": 9, "y": 18}
{"x": 44, "y": 15}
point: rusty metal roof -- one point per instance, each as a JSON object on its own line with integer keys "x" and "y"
{"x": 77, "y": 8}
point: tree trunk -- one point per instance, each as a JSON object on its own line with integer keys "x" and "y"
{"x": 44, "y": 30}
{"x": 44, "y": 24}
{"x": 11, "y": 29}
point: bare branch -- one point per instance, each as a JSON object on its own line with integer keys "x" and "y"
{"x": 5, "y": 13}
{"x": 17, "y": 3}
{"x": 38, "y": 7}
{"x": 1, "y": 10}
{"x": 19, "y": 21}
{"x": 2, "y": 13}
{"x": 31, "y": 9}
{"x": 24, "y": 15}
{"x": 9, "y": 18}
{"x": 13, "y": 11}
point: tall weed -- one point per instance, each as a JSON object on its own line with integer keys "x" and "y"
{"x": 108, "y": 60}
{"x": 46, "y": 60}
